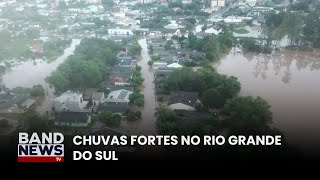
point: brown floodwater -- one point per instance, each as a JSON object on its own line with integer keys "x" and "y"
{"x": 147, "y": 124}
{"x": 290, "y": 82}
{"x": 34, "y": 72}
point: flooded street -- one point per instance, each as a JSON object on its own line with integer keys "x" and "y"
{"x": 147, "y": 125}
{"x": 290, "y": 82}
{"x": 32, "y": 73}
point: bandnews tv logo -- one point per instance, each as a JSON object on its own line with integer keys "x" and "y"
{"x": 44, "y": 147}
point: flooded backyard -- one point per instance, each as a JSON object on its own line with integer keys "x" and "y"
{"x": 290, "y": 82}
{"x": 34, "y": 72}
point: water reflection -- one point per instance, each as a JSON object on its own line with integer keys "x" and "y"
{"x": 289, "y": 81}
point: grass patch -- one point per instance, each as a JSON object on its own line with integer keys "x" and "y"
{"x": 241, "y": 31}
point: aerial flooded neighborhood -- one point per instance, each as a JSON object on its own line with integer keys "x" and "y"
{"x": 162, "y": 67}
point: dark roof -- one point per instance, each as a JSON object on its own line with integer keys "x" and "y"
{"x": 8, "y": 100}
{"x": 186, "y": 118}
{"x": 112, "y": 87}
{"x": 187, "y": 98}
{"x": 125, "y": 63}
{"x": 168, "y": 31}
{"x": 124, "y": 58}
{"x": 72, "y": 117}
{"x": 166, "y": 72}
{"x": 121, "y": 71}
{"x": 114, "y": 108}
{"x": 20, "y": 90}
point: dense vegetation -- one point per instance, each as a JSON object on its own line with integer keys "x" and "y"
{"x": 87, "y": 67}
{"x": 212, "y": 46}
{"x": 300, "y": 23}
{"x": 55, "y": 47}
{"x": 135, "y": 49}
{"x": 110, "y": 119}
{"x": 168, "y": 123}
{"x": 206, "y": 81}
{"x": 37, "y": 91}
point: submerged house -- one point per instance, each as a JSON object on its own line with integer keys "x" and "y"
{"x": 74, "y": 119}
{"x": 182, "y": 100}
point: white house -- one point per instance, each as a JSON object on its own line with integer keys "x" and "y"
{"x": 146, "y": 1}
{"x": 71, "y": 102}
{"x": 174, "y": 65}
{"x": 217, "y": 3}
{"x": 159, "y": 64}
{"x": 181, "y": 106}
{"x": 74, "y": 119}
{"x": 173, "y": 25}
{"x": 118, "y": 97}
{"x": 213, "y": 31}
{"x": 118, "y": 31}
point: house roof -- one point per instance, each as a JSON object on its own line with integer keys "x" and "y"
{"x": 112, "y": 87}
{"x": 174, "y": 65}
{"x": 181, "y": 106}
{"x": 125, "y": 63}
{"x": 164, "y": 71}
{"x": 121, "y": 95}
{"x": 71, "y": 117}
{"x": 7, "y": 101}
{"x": 28, "y": 102}
{"x": 114, "y": 108}
{"x": 97, "y": 95}
{"x": 68, "y": 96}
{"x": 185, "y": 117}
{"x": 187, "y": 98}
{"x": 121, "y": 71}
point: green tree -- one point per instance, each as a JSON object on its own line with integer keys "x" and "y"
{"x": 165, "y": 118}
{"x": 212, "y": 98}
{"x": 87, "y": 67}
{"x": 138, "y": 114}
{"x": 109, "y": 119}
{"x": 150, "y": 63}
{"x": 37, "y": 91}
{"x": 135, "y": 49}
{"x": 311, "y": 29}
{"x": 32, "y": 33}
{"x": 34, "y": 122}
{"x": 248, "y": 114}
{"x": 137, "y": 98}
{"x": 131, "y": 116}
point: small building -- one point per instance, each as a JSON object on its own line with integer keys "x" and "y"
{"x": 27, "y": 104}
{"x": 213, "y": 31}
{"x": 174, "y": 65}
{"x": 119, "y": 109}
{"x": 118, "y": 31}
{"x": 163, "y": 72}
{"x": 159, "y": 64}
{"x": 71, "y": 102}
{"x": 182, "y": 100}
{"x": 98, "y": 98}
{"x": 118, "y": 97}
{"x": 74, "y": 119}
{"x": 37, "y": 48}
{"x": 120, "y": 75}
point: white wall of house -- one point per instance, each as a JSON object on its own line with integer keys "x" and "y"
{"x": 181, "y": 106}
{"x": 74, "y": 124}
{"x": 119, "y": 31}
